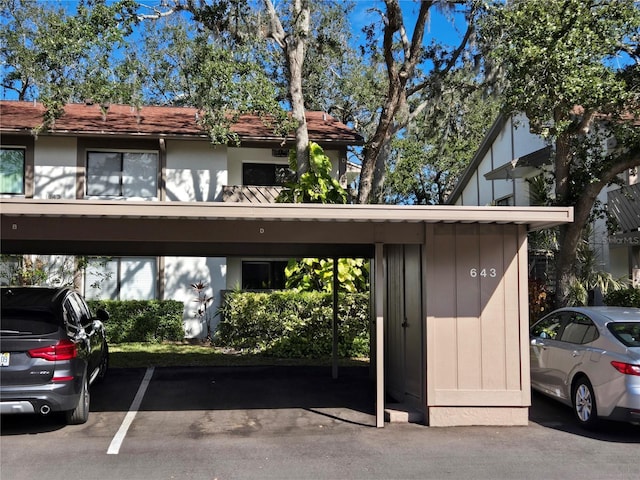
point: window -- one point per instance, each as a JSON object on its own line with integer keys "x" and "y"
{"x": 76, "y": 314}
{"x": 579, "y": 330}
{"x": 547, "y": 328}
{"x": 266, "y": 174}
{"x": 12, "y": 171}
{"x": 627, "y": 332}
{"x": 122, "y": 174}
{"x": 121, "y": 279}
{"x": 263, "y": 275}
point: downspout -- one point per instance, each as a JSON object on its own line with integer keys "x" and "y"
{"x": 334, "y": 347}
{"x": 379, "y": 313}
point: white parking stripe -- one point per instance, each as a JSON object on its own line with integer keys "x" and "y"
{"x": 114, "y": 448}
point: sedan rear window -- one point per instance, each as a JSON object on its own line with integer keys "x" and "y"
{"x": 627, "y": 332}
{"x": 20, "y": 321}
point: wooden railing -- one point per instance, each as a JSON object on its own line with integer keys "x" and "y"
{"x": 250, "y": 194}
{"x": 624, "y": 204}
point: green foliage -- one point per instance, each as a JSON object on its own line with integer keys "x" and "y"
{"x": 142, "y": 320}
{"x": 318, "y": 186}
{"x": 59, "y": 58}
{"x": 315, "y": 186}
{"x": 625, "y": 297}
{"x": 287, "y": 324}
{"x": 23, "y": 270}
{"x": 427, "y": 161}
{"x": 572, "y": 67}
{"x": 560, "y": 54}
{"x": 588, "y": 275}
{"x": 315, "y": 274}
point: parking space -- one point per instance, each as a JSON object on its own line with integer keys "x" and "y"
{"x": 239, "y": 398}
{"x": 294, "y": 422}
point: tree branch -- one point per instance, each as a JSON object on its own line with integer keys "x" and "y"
{"x": 276, "y": 31}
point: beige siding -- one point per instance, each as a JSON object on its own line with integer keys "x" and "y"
{"x": 476, "y": 316}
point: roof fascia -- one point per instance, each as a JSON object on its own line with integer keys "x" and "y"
{"x": 534, "y": 217}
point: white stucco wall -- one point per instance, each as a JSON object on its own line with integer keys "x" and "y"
{"x": 234, "y": 272}
{"x": 196, "y": 171}
{"x": 55, "y": 167}
{"x": 180, "y": 273}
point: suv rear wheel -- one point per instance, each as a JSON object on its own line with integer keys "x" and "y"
{"x": 104, "y": 363}
{"x": 80, "y": 414}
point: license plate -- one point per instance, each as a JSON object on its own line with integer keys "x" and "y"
{"x": 4, "y": 359}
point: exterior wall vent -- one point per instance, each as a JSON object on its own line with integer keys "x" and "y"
{"x": 280, "y": 152}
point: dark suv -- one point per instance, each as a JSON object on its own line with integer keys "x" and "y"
{"x": 52, "y": 349}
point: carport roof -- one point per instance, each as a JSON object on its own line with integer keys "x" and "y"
{"x": 225, "y": 229}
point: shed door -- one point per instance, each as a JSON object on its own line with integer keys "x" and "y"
{"x": 413, "y": 324}
{"x": 405, "y": 326}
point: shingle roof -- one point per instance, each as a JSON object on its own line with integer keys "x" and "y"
{"x": 87, "y": 119}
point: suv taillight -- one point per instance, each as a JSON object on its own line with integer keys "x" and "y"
{"x": 626, "y": 368}
{"x": 63, "y": 350}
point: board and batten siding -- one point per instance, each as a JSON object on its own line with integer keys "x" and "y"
{"x": 477, "y": 324}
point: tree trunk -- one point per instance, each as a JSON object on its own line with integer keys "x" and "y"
{"x": 295, "y": 53}
{"x": 373, "y": 149}
{"x": 571, "y": 234}
{"x": 398, "y": 75}
{"x": 295, "y": 59}
{"x": 293, "y": 45}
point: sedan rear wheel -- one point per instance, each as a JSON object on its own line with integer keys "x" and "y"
{"x": 584, "y": 403}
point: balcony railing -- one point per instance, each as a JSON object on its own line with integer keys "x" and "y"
{"x": 624, "y": 204}
{"x": 250, "y": 194}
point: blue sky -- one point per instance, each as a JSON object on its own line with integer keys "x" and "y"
{"x": 365, "y": 12}
{"x": 439, "y": 27}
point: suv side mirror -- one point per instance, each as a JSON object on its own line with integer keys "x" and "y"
{"x": 102, "y": 315}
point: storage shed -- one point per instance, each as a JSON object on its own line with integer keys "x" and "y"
{"x": 450, "y": 305}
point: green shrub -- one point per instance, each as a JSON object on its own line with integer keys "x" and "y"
{"x": 287, "y": 324}
{"x": 142, "y": 320}
{"x": 626, "y": 297}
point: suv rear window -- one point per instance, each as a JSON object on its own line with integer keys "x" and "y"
{"x": 18, "y": 321}
{"x": 627, "y": 332}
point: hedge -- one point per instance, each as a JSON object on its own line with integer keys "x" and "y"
{"x": 142, "y": 320}
{"x": 627, "y": 297}
{"x": 288, "y": 324}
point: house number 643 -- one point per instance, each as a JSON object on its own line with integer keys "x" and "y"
{"x": 484, "y": 272}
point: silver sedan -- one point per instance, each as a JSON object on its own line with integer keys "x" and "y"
{"x": 589, "y": 358}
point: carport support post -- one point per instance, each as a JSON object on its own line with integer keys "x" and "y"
{"x": 379, "y": 285}
{"x": 334, "y": 347}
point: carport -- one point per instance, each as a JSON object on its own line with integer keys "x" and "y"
{"x": 449, "y": 303}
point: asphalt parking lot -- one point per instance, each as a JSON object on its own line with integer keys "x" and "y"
{"x": 293, "y": 423}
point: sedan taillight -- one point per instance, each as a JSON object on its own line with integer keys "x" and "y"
{"x": 63, "y": 350}
{"x": 626, "y": 368}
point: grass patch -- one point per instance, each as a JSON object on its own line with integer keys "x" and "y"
{"x": 176, "y": 354}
